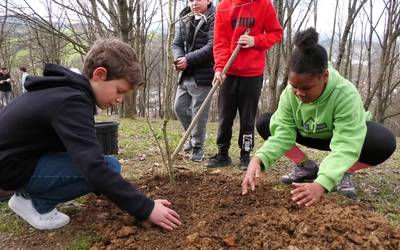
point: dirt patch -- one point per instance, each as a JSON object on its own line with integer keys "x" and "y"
{"x": 216, "y": 216}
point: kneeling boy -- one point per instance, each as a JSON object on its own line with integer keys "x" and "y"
{"x": 48, "y": 146}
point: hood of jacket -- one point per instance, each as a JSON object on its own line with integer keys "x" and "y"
{"x": 57, "y": 76}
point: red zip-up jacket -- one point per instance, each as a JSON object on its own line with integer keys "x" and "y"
{"x": 232, "y": 18}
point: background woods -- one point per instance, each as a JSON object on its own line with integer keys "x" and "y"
{"x": 361, "y": 37}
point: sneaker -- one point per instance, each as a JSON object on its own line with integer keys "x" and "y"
{"x": 23, "y": 208}
{"x": 306, "y": 171}
{"x": 5, "y": 195}
{"x": 187, "y": 147}
{"x": 346, "y": 187}
{"x": 197, "y": 154}
{"x": 219, "y": 160}
{"x": 244, "y": 160}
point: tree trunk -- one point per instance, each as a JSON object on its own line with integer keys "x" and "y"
{"x": 333, "y": 31}
{"x": 128, "y": 107}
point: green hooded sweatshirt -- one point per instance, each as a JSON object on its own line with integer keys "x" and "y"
{"x": 338, "y": 114}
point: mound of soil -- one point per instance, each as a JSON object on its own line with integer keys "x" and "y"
{"x": 216, "y": 216}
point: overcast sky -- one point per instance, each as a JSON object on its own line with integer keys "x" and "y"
{"x": 326, "y": 12}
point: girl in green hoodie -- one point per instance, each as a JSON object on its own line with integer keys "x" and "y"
{"x": 319, "y": 109}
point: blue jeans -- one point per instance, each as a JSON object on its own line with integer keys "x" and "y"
{"x": 56, "y": 179}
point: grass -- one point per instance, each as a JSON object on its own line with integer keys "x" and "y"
{"x": 9, "y": 223}
{"x": 82, "y": 242}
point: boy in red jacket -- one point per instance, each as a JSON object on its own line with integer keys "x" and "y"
{"x": 241, "y": 88}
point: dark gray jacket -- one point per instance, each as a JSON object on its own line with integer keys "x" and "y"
{"x": 197, "y": 47}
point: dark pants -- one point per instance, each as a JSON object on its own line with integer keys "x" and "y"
{"x": 237, "y": 93}
{"x": 379, "y": 143}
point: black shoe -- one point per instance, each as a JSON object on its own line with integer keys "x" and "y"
{"x": 244, "y": 160}
{"x": 219, "y": 160}
{"x": 197, "y": 154}
{"x": 304, "y": 172}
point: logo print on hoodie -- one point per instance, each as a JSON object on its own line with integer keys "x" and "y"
{"x": 310, "y": 125}
{"x": 247, "y": 22}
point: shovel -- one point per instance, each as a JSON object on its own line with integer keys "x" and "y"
{"x": 207, "y": 100}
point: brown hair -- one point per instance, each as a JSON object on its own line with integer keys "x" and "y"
{"x": 117, "y": 57}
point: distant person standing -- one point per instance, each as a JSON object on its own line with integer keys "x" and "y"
{"x": 193, "y": 53}
{"x": 24, "y": 74}
{"x": 5, "y": 86}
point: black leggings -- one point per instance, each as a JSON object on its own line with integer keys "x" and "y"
{"x": 379, "y": 143}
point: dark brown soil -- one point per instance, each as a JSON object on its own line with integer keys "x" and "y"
{"x": 216, "y": 216}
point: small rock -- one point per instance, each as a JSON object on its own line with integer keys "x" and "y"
{"x": 103, "y": 216}
{"x": 146, "y": 224}
{"x": 192, "y": 237}
{"x": 230, "y": 241}
{"x": 201, "y": 224}
{"x": 373, "y": 239}
{"x": 356, "y": 239}
{"x": 125, "y": 231}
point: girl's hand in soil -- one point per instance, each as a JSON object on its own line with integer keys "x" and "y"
{"x": 163, "y": 216}
{"x": 307, "y": 193}
{"x": 252, "y": 173}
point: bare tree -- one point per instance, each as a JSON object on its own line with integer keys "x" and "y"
{"x": 333, "y": 31}
{"x": 280, "y": 53}
{"x": 352, "y": 13}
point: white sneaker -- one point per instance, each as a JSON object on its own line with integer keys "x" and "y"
{"x": 24, "y": 209}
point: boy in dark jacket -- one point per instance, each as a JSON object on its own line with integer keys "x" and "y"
{"x": 48, "y": 147}
{"x": 193, "y": 54}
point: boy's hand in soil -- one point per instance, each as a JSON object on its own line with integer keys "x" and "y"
{"x": 252, "y": 173}
{"x": 246, "y": 41}
{"x": 164, "y": 216}
{"x": 307, "y": 193}
{"x": 220, "y": 77}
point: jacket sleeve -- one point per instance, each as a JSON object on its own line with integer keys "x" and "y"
{"x": 74, "y": 125}
{"x": 221, "y": 41}
{"x": 178, "y": 45}
{"x": 205, "y": 53}
{"x": 283, "y": 133}
{"x": 348, "y": 137}
{"x": 272, "y": 30}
